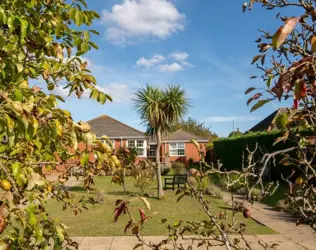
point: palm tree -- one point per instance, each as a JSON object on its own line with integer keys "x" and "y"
{"x": 159, "y": 111}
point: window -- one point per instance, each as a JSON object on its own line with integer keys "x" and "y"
{"x": 110, "y": 143}
{"x": 139, "y": 145}
{"x": 177, "y": 149}
{"x": 152, "y": 150}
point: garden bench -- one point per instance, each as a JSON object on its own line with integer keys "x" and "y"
{"x": 178, "y": 179}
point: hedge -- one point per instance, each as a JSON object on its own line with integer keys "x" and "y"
{"x": 229, "y": 151}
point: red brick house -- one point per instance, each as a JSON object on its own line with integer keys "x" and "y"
{"x": 175, "y": 147}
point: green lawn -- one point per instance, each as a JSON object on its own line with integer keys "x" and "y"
{"x": 279, "y": 194}
{"x": 97, "y": 221}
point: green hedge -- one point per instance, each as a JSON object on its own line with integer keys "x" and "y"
{"x": 229, "y": 151}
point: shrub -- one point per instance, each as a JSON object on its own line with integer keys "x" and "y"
{"x": 100, "y": 196}
{"x": 283, "y": 205}
{"x": 144, "y": 175}
{"x": 233, "y": 178}
{"x": 214, "y": 191}
{"x": 165, "y": 170}
{"x": 256, "y": 194}
{"x": 178, "y": 167}
{"x": 229, "y": 151}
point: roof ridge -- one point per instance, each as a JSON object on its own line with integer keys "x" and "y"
{"x": 181, "y": 129}
{"x": 109, "y": 117}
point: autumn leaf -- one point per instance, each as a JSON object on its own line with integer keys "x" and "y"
{"x": 249, "y": 90}
{"x": 254, "y": 97}
{"x": 280, "y": 36}
{"x": 256, "y": 58}
{"x": 146, "y": 202}
{"x": 258, "y": 105}
{"x": 313, "y": 43}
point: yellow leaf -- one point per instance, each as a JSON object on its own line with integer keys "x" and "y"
{"x": 146, "y": 202}
{"x": 59, "y": 127}
{"x": 313, "y": 43}
{"x": 280, "y": 36}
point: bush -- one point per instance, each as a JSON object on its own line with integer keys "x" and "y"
{"x": 229, "y": 151}
{"x": 256, "y": 194}
{"x": 178, "y": 168}
{"x": 144, "y": 175}
{"x": 165, "y": 170}
{"x": 214, "y": 191}
{"x": 100, "y": 196}
{"x": 233, "y": 178}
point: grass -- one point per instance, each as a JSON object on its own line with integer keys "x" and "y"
{"x": 97, "y": 221}
{"x": 279, "y": 194}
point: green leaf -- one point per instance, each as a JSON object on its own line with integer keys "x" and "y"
{"x": 84, "y": 160}
{"x": 51, "y": 86}
{"x": 10, "y": 23}
{"x": 31, "y": 218}
{"x": 34, "y": 124}
{"x": 3, "y": 148}
{"x": 18, "y": 95}
{"x": 72, "y": 13}
{"x": 259, "y": 104}
{"x": 282, "y": 120}
{"x": 94, "y": 32}
{"x": 102, "y": 98}
{"x": 84, "y": 47}
{"x": 94, "y": 94}
{"x": 78, "y": 18}
{"x": 21, "y": 180}
{"x": 269, "y": 81}
{"x": 89, "y": 78}
{"x": 16, "y": 168}
{"x": 24, "y": 27}
{"x": 249, "y": 90}
{"x": 86, "y": 36}
{"x": 94, "y": 45}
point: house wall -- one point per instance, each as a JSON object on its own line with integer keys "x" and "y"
{"x": 190, "y": 153}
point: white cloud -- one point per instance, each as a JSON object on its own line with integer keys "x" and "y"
{"x": 179, "y": 56}
{"x": 136, "y": 19}
{"x": 170, "y": 68}
{"x": 231, "y": 118}
{"x": 150, "y": 61}
{"x": 61, "y": 91}
{"x": 176, "y": 62}
{"x": 119, "y": 92}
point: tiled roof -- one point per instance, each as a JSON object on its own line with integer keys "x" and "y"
{"x": 180, "y": 135}
{"x": 267, "y": 122}
{"x": 105, "y": 125}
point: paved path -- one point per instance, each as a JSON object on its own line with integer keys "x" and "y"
{"x": 289, "y": 237}
{"x": 303, "y": 236}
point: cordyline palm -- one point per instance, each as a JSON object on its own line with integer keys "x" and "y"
{"x": 159, "y": 110}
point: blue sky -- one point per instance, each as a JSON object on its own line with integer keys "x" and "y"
{"x": 205, "y": 46}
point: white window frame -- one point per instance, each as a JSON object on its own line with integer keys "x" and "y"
{"x": 106, "y": 141}
{"x": 177, "y": 148}
{"x": 137, "y": 147}
{"x": 150, "y": 150}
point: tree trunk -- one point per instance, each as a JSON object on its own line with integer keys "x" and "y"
{"x": 159, "y": 181}
{"x": 124, "y": 186}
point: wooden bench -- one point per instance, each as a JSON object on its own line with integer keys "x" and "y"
{"x": 178, "y": 180}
